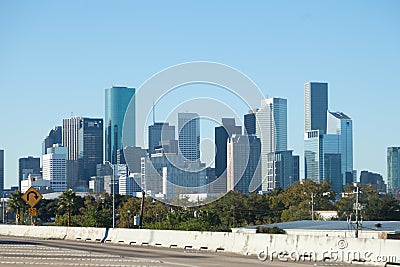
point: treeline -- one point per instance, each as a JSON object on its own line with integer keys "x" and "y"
{"x": 232, "y": 210}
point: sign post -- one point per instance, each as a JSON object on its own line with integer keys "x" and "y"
{"x": 32, "y": 197}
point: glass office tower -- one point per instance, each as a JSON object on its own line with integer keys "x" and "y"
{"x": 117, "y": 100}
{"x": 393, "y": 170}
{"x": 315, "y": 106}
{"x": 271, "y": 128}
{"x": 159, "y": 131}
{"x": 342, "y": 125}
{"x": 189, "y": 135}
{"x": 84, "y": 139}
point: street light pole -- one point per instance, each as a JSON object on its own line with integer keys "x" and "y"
{"x": 3, "y": 207}
{"x": 113, "y": 191}
{"x": 312, "y": 206}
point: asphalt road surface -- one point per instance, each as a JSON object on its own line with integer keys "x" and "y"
{"x": 15, "y": 251}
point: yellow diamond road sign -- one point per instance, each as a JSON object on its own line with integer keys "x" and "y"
{"x": 32, "y": 196}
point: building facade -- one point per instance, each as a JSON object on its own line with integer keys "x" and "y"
{"x": 54, "y": 137}
{"x": 189, "y": 136}
{"x": 27, "y": 166}
{"x": 172, "y": 175}
{"x": 283, "y": 169}
{"x": 374, "y": 179}
{"x": 243, "y": 163}
{"x": 271, "y": 128}
{"x": 130, "y": 185}
{"x": 222, "y": 134}
{"x": 250, "y": 122}
{"x": 133, "y": 157}
{"x": 393, "y": 170}
{"x": 315, "y": 106}
{"x": 84, "y": 139}
{"x": 342, "y": 125}
{"x": 323, "y": 161}
{"x": 158, "y": 132}
{"x": 117, "y": 100}
{"x": 55, "y": 167}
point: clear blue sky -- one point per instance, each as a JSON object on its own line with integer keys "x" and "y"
{"x": 57, "y": 57}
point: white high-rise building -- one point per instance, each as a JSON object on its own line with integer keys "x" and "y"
{"x": 271, "y": 128}
{"x": 55, "y": 167}
{"x": 130, "y": 185}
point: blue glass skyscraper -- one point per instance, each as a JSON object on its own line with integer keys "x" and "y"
{"x": 117, "y": 100}
{"x": 315, "y": 106}
{"x": 189, "y": 135}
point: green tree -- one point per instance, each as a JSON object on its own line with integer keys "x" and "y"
{"x": 17, "y": 204}
{"x": 372, "y": 205}
{"x": 46, "y": 210}
{"x": 67, "y": 202}
{"x": 295, "y": 202}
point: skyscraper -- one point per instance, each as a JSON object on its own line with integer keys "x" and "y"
{"x": 323, "y": 159}
{"x": 271, "y": 128}
{"x": 342, "y": 125}
{"x": 55, "y": 167}
{"x": 54, "y": 137}
{"x": 315, "y": 106}
{"x": 282, "y": 169}
{"x": 158, "y": 132}
{"x": 393, "y": 170}
{"x": 27, "y": 166}
{"x": 243, "y": 168}
{"x": 133, "y": 157}
{"x": 222, "y": 133}
{"x": 117, "y": 100}
{"x": 250, "y": 122}
{"x": 84, "y": 139}
{"x": 1, "y": 172}
{"x": 189, "y": 136}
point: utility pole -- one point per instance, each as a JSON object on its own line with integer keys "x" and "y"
{"x": 357, "y": 222}
{"x": 141, "y": 211}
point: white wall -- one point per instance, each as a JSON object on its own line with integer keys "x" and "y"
{"x": 242, "y": 243}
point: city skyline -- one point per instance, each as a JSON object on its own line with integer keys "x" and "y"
{"x": 53, "y": 65}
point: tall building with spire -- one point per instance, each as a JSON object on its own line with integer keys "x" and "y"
{"x": 117, "y": 100}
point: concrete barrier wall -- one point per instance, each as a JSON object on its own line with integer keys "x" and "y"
{"x": 287, "y": 246}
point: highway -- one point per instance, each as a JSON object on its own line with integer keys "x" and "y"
{"x": 16, "y": 251}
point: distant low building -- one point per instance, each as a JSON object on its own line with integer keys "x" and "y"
{"x": 374, "y": 179}
{"x": 40, "y": 184}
